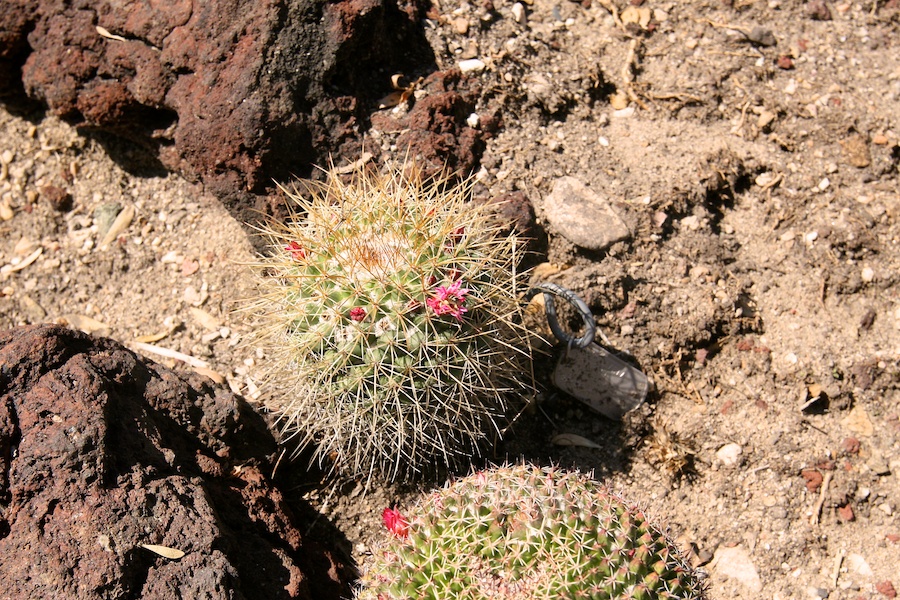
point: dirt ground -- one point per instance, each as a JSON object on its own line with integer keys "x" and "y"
{"x": 752, "y": 149}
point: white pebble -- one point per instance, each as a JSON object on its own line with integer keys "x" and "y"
{"x": 473, "y": 65}
{"x": 472, "y": 120}
{"x": 858, "y": 564}
{"x": 764, "y": 179}
{"x": 823, "y": 185}
{"x": 518, "y": 11}
{"x": 730, "y": 454}
{"x": 868, "y": 274}
{"x": 691, "y": 223}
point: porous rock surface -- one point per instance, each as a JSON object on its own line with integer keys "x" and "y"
{"x": 235, "y": 93}
{"x": 102, "y": 451}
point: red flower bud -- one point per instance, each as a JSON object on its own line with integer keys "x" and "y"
{"x": 297, "y": 251}
{"x": 395, "y": 522}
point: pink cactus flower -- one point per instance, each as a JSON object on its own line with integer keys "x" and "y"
{"x": 297, "y": 251}
{"x": 357, "y": 313}
{"x": 449, "y": 300}
{"x": 458, "y": 233}
{"x": 395, "y": 522}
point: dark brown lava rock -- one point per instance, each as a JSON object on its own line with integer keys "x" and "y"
{"x": 102, "y": 451}
{"x": 236, "y": 93}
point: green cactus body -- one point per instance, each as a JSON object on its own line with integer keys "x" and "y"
{"x": 526, "y": 532}
{"x": 388, "y": 315}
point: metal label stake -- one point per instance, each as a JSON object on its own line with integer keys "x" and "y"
{"x": 586, "y": 370}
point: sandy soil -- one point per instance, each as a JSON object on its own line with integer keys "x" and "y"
{"x": 758, "y": 288}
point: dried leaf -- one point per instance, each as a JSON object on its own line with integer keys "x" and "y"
{"x": 570, "y": 439}
{"x": 399, "y": 82}
{"x": 214, "y": 375}
{"x": 185, "y": 358}
{"x": 206, "y": 320}
{"x": 154, "y": 337}
{"x": 110, "y": 36}
{"x": 25, "y": 246}
{"x": 354, "y": 166}
{"x": 25, "y": 262}
{"x": 391, "y": 100}
{"x": 170, "y": 553}
{"x": 123, "y": 220}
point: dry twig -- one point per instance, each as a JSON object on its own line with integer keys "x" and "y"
{"x": 817, "y": 507}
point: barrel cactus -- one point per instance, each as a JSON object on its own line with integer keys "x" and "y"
{"x": 531, "y": 533}
{"x": 389, "y": 318}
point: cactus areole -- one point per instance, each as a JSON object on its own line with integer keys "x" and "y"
{"x": 527, "y": 533}
{"x": 389, "y": 319}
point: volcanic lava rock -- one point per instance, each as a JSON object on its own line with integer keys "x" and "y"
{"x": 102, "y": 451}
{"x": 236, "y": 93}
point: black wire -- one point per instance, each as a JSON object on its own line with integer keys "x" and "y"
{"x": 551, "y": 289}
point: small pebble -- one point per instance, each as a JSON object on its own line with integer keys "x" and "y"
{"x": 868, "y": 274}
{"x": 765, "y": 119}
{"x": 518, "y": 11}
{"x": 845, "y": 513}
{"x": 461, "y": 25}
{"x": 784, "y": 63}
{"x": 762, "y": 36}
{"x": 691, "y": 223}
{"x": 818, "y": 10}
{"x": 730, "y": 454}
{"x": 59, "y": 199}
{"x": 764, "y": 179}
{"x": 735, "y": 563}
{"x": 886, "y": 588}
{"x": 472, "y": 66}
{"x": 858, "y": 564}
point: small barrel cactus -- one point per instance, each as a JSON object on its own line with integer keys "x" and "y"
{"x": 525, "y": 532}
{"x": 389, "y": 317}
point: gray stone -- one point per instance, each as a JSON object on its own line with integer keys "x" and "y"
{"x": 735, "y": 563}
{"x": 582, "y": 216}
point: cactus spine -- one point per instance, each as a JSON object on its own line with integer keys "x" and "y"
{"x": 526, "y": 532}
{"x": 388, "y": 314}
